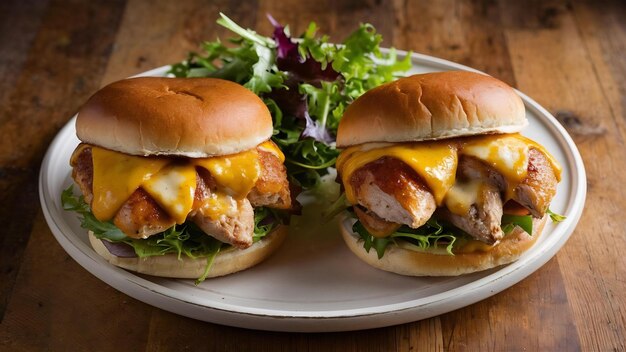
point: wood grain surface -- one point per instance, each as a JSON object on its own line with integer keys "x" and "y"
{"x": 569, "y": 56}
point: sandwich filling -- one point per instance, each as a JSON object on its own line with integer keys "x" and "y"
{"x": 144, "y": 196}
{"x": 469, "y": 183}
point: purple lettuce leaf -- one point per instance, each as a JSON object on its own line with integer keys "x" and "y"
{"x": 291, "y": 102}
{"x": 285, "y": 47}
{"x": 288, "y": 59}
{"x": 120, "y": 249}
{"x": 315, "y": 130}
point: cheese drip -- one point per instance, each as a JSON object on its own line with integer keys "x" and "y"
{"x": 116, "y": 176}
{"x": 462, "y": 195}
{"x": 173, "y": 188}
{"x": 473, "y": 246}
{"x": 436, "y": 162}
{"x": 236, "y": 174}
{"x": 507, "y": 154}
{"x": 171, "y": 182}
{"x": 271, "y": 147}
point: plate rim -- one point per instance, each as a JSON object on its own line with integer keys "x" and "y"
{"x": 348, "y": 319}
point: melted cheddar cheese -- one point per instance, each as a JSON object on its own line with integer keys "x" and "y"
{"x": 507, "y": 154}
{"x": 462, "y": 195}
{"x": 436, "y": 163}
{"x": 472, "y": 246}
{"x": 219, "y": 204}
{"x": 116, "y": 176}
{"x": 173, "y": 188}
{"x": 172, "y": 181}
{"x": 271, "y": 147}
{"x": 237, "y": 173}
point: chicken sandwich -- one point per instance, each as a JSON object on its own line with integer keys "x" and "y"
{"x": 438, "y": 176}
{"x": 179, "y": 177}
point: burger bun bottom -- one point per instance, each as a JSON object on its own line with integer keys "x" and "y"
{"x": 412, "y": 263}
{"x": 226, "y": 262}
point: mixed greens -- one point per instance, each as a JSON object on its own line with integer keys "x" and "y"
{"x": 306, "y": 82}
{"x": 434, "y": 236}
{"x": 431, "y": 235}
{"x": 186, "y": 239}
{"x": 438, "y": 236}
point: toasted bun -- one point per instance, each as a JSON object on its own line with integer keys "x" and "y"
{"x": 193, "y": 117}
{"x": 432, "y": 106}
{"x": 225, "y": 263}
{"x": 406, "y": 262}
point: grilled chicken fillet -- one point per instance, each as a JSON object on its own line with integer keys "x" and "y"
{"x": 536, "y": 191}
{"x": 394, "y": 192}
{"x": 235, "y": 228}
{"x": 272, "y": 187}
{"x": 140, "y": 216}
{"x": 483, "y": 219}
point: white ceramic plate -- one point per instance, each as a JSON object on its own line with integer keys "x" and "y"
{"x": 313, "y": 283}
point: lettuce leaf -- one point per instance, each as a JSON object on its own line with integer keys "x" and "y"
{"x": 555, "y": 217}
{"x": 265, "y": 220}
{"x": 430, "y": 235}
{"x": 101, "y": 229}
{"x": 510, "y": 221}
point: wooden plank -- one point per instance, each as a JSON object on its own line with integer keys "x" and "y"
{"x": 168, "y": 31}
{"x": 60, "y": 70}
{"x": 19, "y": 23}
{"x": 66, "y": 56}
{"x": 67, "y": 308}
{"x": 171, "y": 332}
{"x": 424, "y": 335}
{"x": 552, "y": 64}
{"x": 349, "y": 14}
{"x": 296, "y": 14}
{"x": 467, "y": 32}
{"x": 334, "y": 18}
{"x": 531, "y": 316}
{"x": 606, "y": 52}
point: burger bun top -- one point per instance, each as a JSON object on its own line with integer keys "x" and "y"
{"x": 192, "y": 117}
{"x": 432, "y": 106}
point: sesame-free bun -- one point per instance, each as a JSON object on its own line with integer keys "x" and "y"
{"x": 193, "y": 117}
{"x": 226, "y": 262}
{"x": 432, "y": 106}
{"x": 407, "y": 262}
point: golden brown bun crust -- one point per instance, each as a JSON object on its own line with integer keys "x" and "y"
{"x": 225, "y": 263}
{"x": 432, "y": 106}
{"x": 193, "y": 117}
{"x": 411, "y": 263}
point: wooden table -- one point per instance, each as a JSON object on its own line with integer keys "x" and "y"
{"x": 570, "y": 57}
